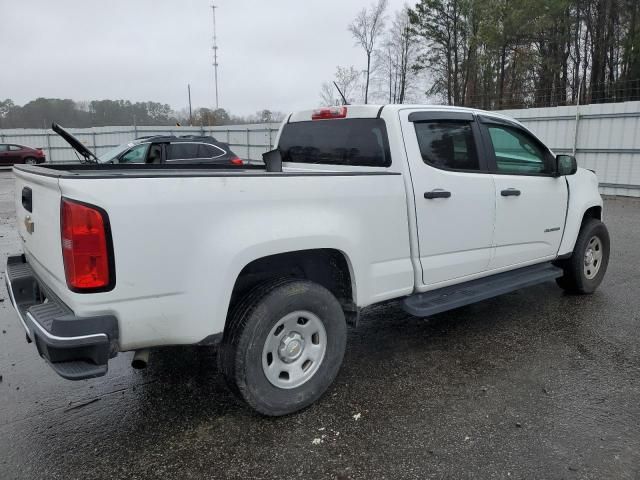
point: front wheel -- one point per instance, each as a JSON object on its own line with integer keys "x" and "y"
{"x": 283, "y": 346}
{"x": 585, "y": 270}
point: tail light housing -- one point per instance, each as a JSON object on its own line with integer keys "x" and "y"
{"x": 237, "y": 161}
{"x": 87, "y": 250}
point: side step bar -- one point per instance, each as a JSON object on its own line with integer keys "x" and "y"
{"x": 448, "y": 298}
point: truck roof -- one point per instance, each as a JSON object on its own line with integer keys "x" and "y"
{"x": 374, "y": 111}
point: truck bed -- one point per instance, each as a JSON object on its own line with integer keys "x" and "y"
{"x": 181, "y": 235}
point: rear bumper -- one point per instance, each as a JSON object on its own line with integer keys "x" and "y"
{"x": 75, "y": 347}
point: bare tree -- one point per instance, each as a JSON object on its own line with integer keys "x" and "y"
{"x": 348, "y": 81}
{"x": 366, "y": 29}
{"x": 394, "y": 61}
{"x": 328, "y": 95}
{"x": 405, "y": 42}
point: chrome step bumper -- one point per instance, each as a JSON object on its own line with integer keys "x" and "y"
{"x": 75, "y": 347}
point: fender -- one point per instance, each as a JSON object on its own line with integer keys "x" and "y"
{"x": 583, "y": 195}
{"x": 261, "y": 250}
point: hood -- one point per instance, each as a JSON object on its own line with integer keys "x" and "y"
{"x": 77, "y": 145}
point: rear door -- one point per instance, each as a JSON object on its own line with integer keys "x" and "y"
{"x": 531, "y": 203}
{"x": 454, "y": 193}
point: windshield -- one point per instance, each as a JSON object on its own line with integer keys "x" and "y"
{"x": 114, "y": 152}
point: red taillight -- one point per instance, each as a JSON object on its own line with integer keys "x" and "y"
{"x": 84, "y": 246}
{"x": 237, "y": 161}
{"x": 328, "y": 113}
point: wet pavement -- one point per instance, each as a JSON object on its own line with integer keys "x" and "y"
{"x": 534, "y": 384}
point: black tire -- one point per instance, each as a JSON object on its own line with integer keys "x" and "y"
{"x": 240, "y": 358}
{"x": 575, "y": 280}
{"x": 30, "y": 161}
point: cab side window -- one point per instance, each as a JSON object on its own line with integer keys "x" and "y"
{"x": 516, "y": 152}
{"x": 448, "y": 144}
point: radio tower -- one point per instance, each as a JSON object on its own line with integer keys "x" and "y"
{"x": 215, "y": 52}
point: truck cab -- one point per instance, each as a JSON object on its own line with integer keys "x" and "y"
{"x": 486, "y": 192}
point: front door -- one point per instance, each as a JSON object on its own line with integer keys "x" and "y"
{"x": 531, "y": 203}
{"x": 454, "y": 193}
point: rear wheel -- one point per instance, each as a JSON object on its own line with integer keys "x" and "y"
{"x": 585, "y": 270}
{"x": 283, "y": 346}
{"x": 30, "y": 161}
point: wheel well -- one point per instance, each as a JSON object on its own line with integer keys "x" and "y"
{"x": 327, "y": 267}
{"x": 593, "y": 212}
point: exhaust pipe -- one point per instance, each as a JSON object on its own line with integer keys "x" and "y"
{"x": 140, "y": 359}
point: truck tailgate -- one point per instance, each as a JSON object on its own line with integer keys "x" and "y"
{"x": 38, "y": 219}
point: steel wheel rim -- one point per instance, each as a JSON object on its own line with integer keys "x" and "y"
{"x": 30, "y": 161}
{"x": 593, "y": 258}
{"x": 294, "y": 349}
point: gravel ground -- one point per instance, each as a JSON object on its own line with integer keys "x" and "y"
{"x": 534, "y": 384}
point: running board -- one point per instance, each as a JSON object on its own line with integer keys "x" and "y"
{"x": 448, "y": 298}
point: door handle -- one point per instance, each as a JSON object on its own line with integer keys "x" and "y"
{"x": 510, "y": 192}
{"x": 437, "y": 194}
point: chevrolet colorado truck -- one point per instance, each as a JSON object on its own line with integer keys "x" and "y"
{"x": 437, "y": 207}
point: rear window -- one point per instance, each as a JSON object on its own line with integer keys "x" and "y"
{"x": 358, "y": 142}
{"x": 210, "y": 151}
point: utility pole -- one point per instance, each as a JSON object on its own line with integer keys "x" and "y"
{"x": 215, "y": 53}
{"x": 190, "y": 116}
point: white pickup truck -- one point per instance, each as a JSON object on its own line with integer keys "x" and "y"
{"x": 436, "y": 206}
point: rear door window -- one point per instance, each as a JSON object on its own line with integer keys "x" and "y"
{"x": 448, "y": 144}
{"x": 358, "y": 142}
{"x": 182, "y": 151}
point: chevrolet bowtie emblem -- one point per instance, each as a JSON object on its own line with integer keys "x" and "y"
{"x": 28, "y": 224}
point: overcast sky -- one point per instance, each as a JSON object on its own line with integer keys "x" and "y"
{"x": 272, "y": 54}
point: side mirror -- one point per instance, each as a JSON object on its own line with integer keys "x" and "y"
{"x": 273, "y": 160}
{"x": 566, "y": 165}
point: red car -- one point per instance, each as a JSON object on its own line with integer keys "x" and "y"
{"x": 11, "y": 154}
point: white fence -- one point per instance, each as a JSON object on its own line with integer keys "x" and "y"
{"x": 604, "y": 137}
{"x": 247, "y": 141}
